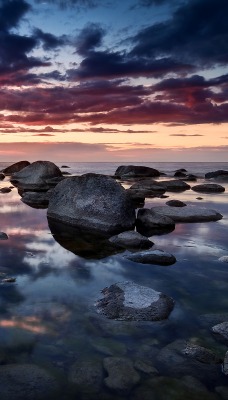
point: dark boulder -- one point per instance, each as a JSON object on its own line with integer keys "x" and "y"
{"x": 175, "y": 203}
{"x": 2, "y": 176}
{"x": 156, "y": 257}
{"x": 176, "y": 185}
{"x": 215, "y": 174}
{"x": 92, "y": 202}
{"x": 208, "y": 188}
{"x": 18, "y": 166}
{"x": 131, "y": 240}
{"x": 188, "y": 213}
{"x": 149, "y": 187}
{"x": 150, "y": 223}
{"x": 134, "y": 171}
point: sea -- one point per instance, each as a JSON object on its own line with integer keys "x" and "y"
{"x": 49, "y": 322}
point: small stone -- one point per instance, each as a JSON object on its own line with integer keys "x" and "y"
{"x": 132, "y": 240}
{"x": 208, "y": 188}
{"x": 122, "y": 375}
{"x": 5, "y": 190}
{"x": 175, "y": 203}
{"x": 87, "y": 376}
{"x": 146, "y": 368}
{"x": 3, "y": 236}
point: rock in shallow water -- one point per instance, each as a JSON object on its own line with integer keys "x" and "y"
{"x": 151, "y": 223}
{"x": 86, "y": 375}
{"x": 221, "y": 331}
{"x": 188, "y": 213}
{"x": 157, "y": 257}
{"x": 225, "y": 364}
{"x": 131, "y": 302}
{"x": 131, "y": 240}
{"x": 201, "y": 354}
{"x": 208, "y": 188}
{"x": 132, "y": 171}
{"x": 122, "y": 375}
{"x": 16, "y": 167}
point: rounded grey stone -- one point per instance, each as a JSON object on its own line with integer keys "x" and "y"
{"x": 3, "y": 236}
{"x": 176, "y": 203}
{"x": 201, "y": 354}
{"x": 175, "y": 185}
{"x": 131, "y": 240}
{"x": 16, "y": 167}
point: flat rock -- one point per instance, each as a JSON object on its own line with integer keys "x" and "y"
{"x": 27, "y": 382}
{"x": 175, "y": 203}
{"x": 16, "y": 167}
{"x": 122, "y": 376}
{"x": 92, "y": 202}
{"x": 175, "y": 185}
{"x": 188, "y": 213}
{"x": 225, "y": 364}
{"x": 150, "y": 223}
{"x": 221, "y": 331}
{"x": 208, "y": 188}
{"x": 131, "y": 240}
{"x": 134, "y": 171}
{"x": 128, "y": 301}
{"x": 86, "y": 375}
{"x": 157, "y": 257}
{"x": 3, "y": 236}
{"x": 201, "y": 354}
{"x": 35, "y": 176}
{"x": 215, "y": 174}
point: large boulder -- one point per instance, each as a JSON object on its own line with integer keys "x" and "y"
{"x": 175, "y": 185}
{"x": 36, "y": 175}
{"x": 135, "y": 171}
{"x": 216, "y": 174}
{"x": 127, "y": 301}
{"x": 18, "y": 166}
{"x": 208, "y": 188}
{"x": 188, "y": 213}
{"x": 92, "y": 202}
{"x": 151, "y": 223}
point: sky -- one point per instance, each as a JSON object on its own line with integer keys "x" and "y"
{"x": 102, "y": 80}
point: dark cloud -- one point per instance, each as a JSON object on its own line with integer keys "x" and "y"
{"x": 91, "y": 36}
{"x": 74, "y": 3}
{"x": 197, "y": 32}
{"x": 11, "y": 12}
{"x": 48, "y": 40}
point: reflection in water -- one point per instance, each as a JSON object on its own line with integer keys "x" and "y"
{"x": 48, "y": 317}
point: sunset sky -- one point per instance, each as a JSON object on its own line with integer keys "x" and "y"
{"x": 101, "y": 80}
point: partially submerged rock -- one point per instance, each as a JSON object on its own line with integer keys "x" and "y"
{"x": 2, "y": 176}
{"x": 131, "y": 240}
{"x": 5, "y": 190}
{"x": 86, "y": 375}
{"x": 3, "y": 236}
{"x": 221, "y": 332}
{"x": 93, "y": 202}
{"x": 135, "y": 171}
{"x": 151, "y": 223}
{"x": 131, "y": 302}
{"x": 208, "y": 188}
{"x": 216, "y": 174}
{"x": 175, "y": 203}
{"x": 188, "y": 213}
{"x": 122, "y": 376}
{"x": 175, "y": 185}
{"x": 157, "y": 257}
{"x": 36, "y": 175}
{"x": 36, "y": 199}
{"x": 149, "y": 187}
{"x": 16, "y": 167}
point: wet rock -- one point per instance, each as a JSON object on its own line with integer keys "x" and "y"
{"x": 223, "y": 259}
{"x": 151, "y": 223}
{"x": 16, "y": 167}
{"x": 216, "y": 174}
{"x": 35, "y": 176}
{"x": 109, "y": 347}
{"x": 190, "y": 178}
{"x": 148, "y": 187}
{"x": 3, "y": 236}
{"x": 225, "y": 364}
{"x": 64, "y": 166}
{"x": 86, "y": 375}
{"x": 27, "y": 382}
{"x": 122, "y": 376}
{"x": 157, "y": 257}
{"x": 221, "y": 332}
{"x": 131, "y": 240}
{"x": 208, "y": 188}
{"x": 175, "y": 203}
{"x": 2, "y": 176}
{"x": 94, "y": 202}
{"x": 181, "y": 170}
{"x": 37, "y": 199}
{"x": 131, "y": 302}
{"x": 5, "y": 190}
{"x": 201, "y": 354}
{"x": 135, "y": 171}
{"x": 188, "y": 213}
{"x": 179, "y": 174}
{"x": 145, "y": 368}
{"x": 175, "y": 185}
{"x": 137, "y": 197}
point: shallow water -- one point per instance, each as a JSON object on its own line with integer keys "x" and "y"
{"x": 48, "y": 318}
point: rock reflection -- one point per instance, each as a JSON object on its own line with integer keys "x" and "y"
{"x": 82, "y": 243}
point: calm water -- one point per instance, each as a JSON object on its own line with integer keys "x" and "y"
{"x": 48, "y": 317}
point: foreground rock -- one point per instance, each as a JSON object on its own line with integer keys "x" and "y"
{"x": 36, "y": 175}
{"x": 18, "y": 166}
{"x": 122, "y": 376}
{"x": 92, "y": 202}
{"x": 208, "y": 188}
{"x": 175, "y": 203}
{"x": 135, "y": 171}
{"x": 221, "y": 332}
{"x": 131, "y": 240}
{"x": 27, "y": 382}
{"x": 151, "y": 223}
{"x": 188, "y": 213}
{"x": 128, "y": 301}
{"x": 87, "y": 376}
{"x": 157, "y": 257}
{"x": 216, "y": 174}
{"x": 175, "y": 185}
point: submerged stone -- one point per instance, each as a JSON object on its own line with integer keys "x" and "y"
{"x": 225, "y": 364}
{"x": 201, "y": 354}
{"x": 86, "y": 375}
{"x": 128, "y": 301}
{"x": 122, "y": 376}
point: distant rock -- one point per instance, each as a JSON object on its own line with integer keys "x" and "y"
{"x": 36, "y": 175}
{"x": 157, "y": 257}
{"x": 149, "y": 187}
{"x": 122, "y": 376}
{"x": 92, "y": 202}
{"x": 151, "y": 223}
{"x": 216, "y": 174}
{"x": 18, "y": 166}
{"x": 64, "y": 166}
{"x": 3, "y": 236}
{"x": 221, "y": 332}
{"x": 208, "y": 188}
{"x": 2, "y": 176}
{"x": 135, "y": 171}
{"x": 175, "y": 203}
{"x": 180, "y": 174}
{"x": 131, "y": 240}
{"x": 27, "y": 382}
{"x": 127, "y": 301}
{"x": 5, "y": 190}
{"x": 175, "y": 185}
{"x": 188, "y": 213}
